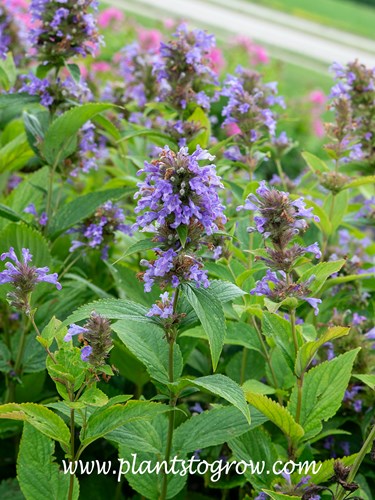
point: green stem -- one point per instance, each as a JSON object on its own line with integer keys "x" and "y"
{"x": 281, "y": 173}
{"x": 72, "y": 430}
{"x": 326, "y": 236}
{"x": 10, "y": 397}
{"x": 293, "y": 327}
{"x": 171, "y": 336}
{"x": 357, "y": 462}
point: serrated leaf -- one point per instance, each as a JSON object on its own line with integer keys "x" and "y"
{"x": 222, "y": 386}
{"x": 94, "y": 397}
{"x": 80, "y": 208}
{"x": 105, "y": 420}
{"x": 279, "y": 329}
{"x": 211, "y": 315}
{"x": 8, "y": 213}
{"x": 211, "y": 428}
{"x": 111, "y": 309}
{"x": 322, "y": 272}
{"x": 307, "y": 352}
{"x": 63, "y": 130}
{"x": 40, "y": 417}
{"x": 322, "y": 392}
{"x": 148, "y": 345}
{"x": 278, "y": 414}
{"x": 254, "y": 386}
{"x": 38, "y": 474}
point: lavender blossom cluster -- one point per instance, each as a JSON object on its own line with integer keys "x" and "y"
{"x": 280, "y": 220}
{"x": 97, "y": 231}
{"x": 181, "y": 206}
{"x": 64, "y": 29}
{"x": 353, "y": 102}
{"x": 185, "y": 68}
{"x": 24, "y": 278}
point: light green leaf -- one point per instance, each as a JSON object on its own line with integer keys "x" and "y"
{"x": 315, "y": 164}
{"x": 360, "y": 181}
{"x": 279, "y": 329}
{"x": 182, "y": 232}
{"x": 138, "y": 247}
{"x": 321, "y": 271}
{"x": 253, "y": 385}
{"x": 203, "y": 137}
{"x": 322, "y": 392}
{"x": 366, "y": 379}
{"x": 8, "y": 72}
{"x": 307, "y": 352}
{"x": 211, "y": 315}
{"x": 279, "y": 415}
{"x": 61, "y": 134}
{"x": 15, "y": 154}
{"x": 94, "y": 397}
{"x": 41, "y": 418}
{"x": 38, "y": 474}
{"x": 280, "y": 496}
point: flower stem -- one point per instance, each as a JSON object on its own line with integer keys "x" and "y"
{"x": 293, "y": 327}
{"x": 281, "y": 173}
{"x": 357, "y": 462}
{"x": 171, "y": 336}
{"x": 300, "y": 378}
{"x": 72, "y": 430}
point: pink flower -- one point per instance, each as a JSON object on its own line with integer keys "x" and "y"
{"x": 260, "y": 54}
{"x": 149, "y": 39}
{"x": 100, "y": 67}
{"x": 317, "y": 97}
{"x": 169, "y": 24}
{"x": 318, "y": 127}
{"x": 232, "y": 129}
{"x": 109, "y": 16}
{"x": 217, "y": 60}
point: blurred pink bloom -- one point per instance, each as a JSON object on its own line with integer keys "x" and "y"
{"x": 100, "y": 67}
{"x": 257, "y": 53}
{"x": 217, "y": 60}
{"x": 149, "y": 39}
{"x": 317, "y": 97}
{"x": 232, "y": 129}
{"x": 318, "y": 127}
{"x": 169, "y": 24}
{"x": 109, "y": 16}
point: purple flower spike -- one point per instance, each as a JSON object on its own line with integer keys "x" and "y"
{"x": 24, "y": 278}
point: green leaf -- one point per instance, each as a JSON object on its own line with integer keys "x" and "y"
{"x": 221, "y": 386}
{"x": 80, "y": 208}
{"x": 40, "y": 417}
{"x": 62, "y": 133}
{"x": 340, "y": 206}
{"x": 279, "y": 329}
{"x": 360, "y": 181}
{"x": 322, "y": 392}
{"x": 321, "y": 271}
{"x": 182, "y": 232}
{"x": 280, "y": 496}
{"x": 315, "y": 164}
{"x": 38, "y": 474}
{"x": 8, "y": 72}
{"x": 307, "y": 352}
{"x": 150, "y": 347}
{"x": 279, "y": 415}
{"x": 17, "y": 101}
{"x": 211, "y": 315}
{"x": 21, "y": 236}
{"x": 94, "y": 397}
{"x": 111, "y": 309}
{"x": 5, "y": 358}
{"x": 202, "y": 139}
{"x": 8, "y": 213}
{"x": 105, "y": 420}
{"x": 346, "y": 279}
{"x": 210, "y": 428}
{"x": 74, "y": 71}
{"x": 253, "y": 385}
{"x": 325, "y": 469}
{"x": 138, "y": 247}
{"x": 366, "y": 379}
{"x": 225, "y": 291}
{"x": 15, "y": 154}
